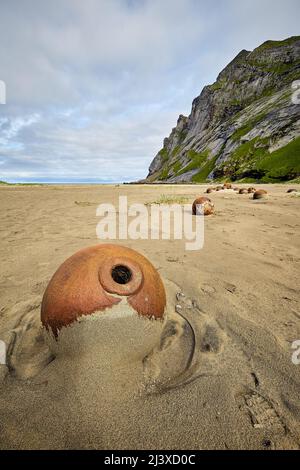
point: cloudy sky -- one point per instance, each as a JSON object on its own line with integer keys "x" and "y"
{"x": 93, "y": 86}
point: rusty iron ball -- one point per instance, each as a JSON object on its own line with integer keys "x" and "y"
{"x": 97, "y": 278}
{"x": 205, "y": 204}
{"x": 260, "y": 194}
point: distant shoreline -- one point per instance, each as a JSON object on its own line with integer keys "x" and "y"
{"x": 46, "y": 183}
{"x": 141, "y": 183}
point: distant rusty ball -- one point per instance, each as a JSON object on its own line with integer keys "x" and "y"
{"x": 95, "y": 279}
{"x": 260, "y": 194}
{"x": 292, "y": 190}
{"x": 251, "y": 190}
{"x": 243, "y": 191}
{"x": 203, "y": 205}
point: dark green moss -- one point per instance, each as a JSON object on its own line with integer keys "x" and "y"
{"x": 177, "y": 167}
{"x": 284, "y": 163}
{"x": 176, "y": 151}
{"x": 164, "y": 173}
{"x": 164, "y": 154}
{"x": 201, "y": 176}
{"x": 253, "y": 160}
{"x": 196, "y": 161}
{"x": 218, "y": 85}
{"x": 248, "y": 126}
{"x": 182, "y": 135}
{"x": 242, "y": 161}
{"x": 273, "y": 44}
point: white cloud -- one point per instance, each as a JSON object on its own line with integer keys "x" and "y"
{"x": 10, "y": 128}
{"x": 93, "y": 87}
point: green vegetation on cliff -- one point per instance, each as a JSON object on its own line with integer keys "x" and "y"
{"x": 202, "y": 175}
{"x": 196, "y": 161}
{"x": 283, "y": 164}
{"x": 241, "y": 118}
{"x": 253, "y": 160}
{"x": 274, "y": 44}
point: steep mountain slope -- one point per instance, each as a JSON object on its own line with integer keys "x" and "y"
{"x": 244, "y": 126}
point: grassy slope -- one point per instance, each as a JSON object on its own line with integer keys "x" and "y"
{"x": 250, "y": 162}
{"x": 253, "y": 160}
{"x": 284, "y": 163}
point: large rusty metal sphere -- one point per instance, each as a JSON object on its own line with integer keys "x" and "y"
{"x": 260, "y": 194}
{"x": 205, "y": 204}
{"x": 97, "y": 278}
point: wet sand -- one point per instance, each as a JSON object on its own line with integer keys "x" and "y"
{"x": 216, "y": 374}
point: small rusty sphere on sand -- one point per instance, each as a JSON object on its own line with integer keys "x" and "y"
{"x": 227, "y": 186}
{"x": 97, "y": 278}
{"x": 260, "y": 194}
{"x": 209, "y": 190}
{"x": 292, "y": 190}
{"x": 243, "y": 191}
{"x": 203, "y": 205}
{"x": 251, "y": 190}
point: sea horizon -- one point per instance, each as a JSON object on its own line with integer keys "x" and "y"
{"x": 63, "y": 182}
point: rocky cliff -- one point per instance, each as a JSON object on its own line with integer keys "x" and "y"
{"x": 245, "y": 126}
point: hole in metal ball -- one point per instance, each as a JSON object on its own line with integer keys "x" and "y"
{"x": 121, "y": 274}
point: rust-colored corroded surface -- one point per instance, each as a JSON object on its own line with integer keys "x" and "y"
{"x": 206, "y": 204}
{"x": 260, "y": 194}
{"x": 94, "y": 278}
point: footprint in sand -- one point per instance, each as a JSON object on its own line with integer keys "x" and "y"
{"x": 188, "y": 348}
{"x": 207, "y": 289}
{"x": 264, "y": 417}
{"x": 27, "y": 352}
{"x": 262, "y": 413}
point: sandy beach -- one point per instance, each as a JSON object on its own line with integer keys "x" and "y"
{"x": 216, "y": 373}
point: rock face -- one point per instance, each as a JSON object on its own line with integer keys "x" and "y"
{"x": 244, "y": 126}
